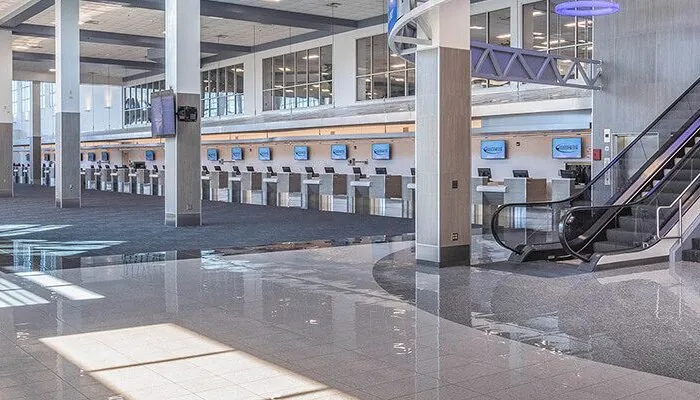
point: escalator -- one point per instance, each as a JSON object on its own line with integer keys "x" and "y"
{"x": 616, "y": 211}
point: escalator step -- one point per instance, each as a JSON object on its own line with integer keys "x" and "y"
{"x": 623, "y": 236}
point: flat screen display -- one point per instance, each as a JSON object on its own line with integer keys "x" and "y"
{"x": 163, "y": 114}
{"x": 493, "y": 149}
{"x": 301, "y": 153}
{"x": 563, "y": 148}
{"x": 264, "y": 154}
{"x": 339, "y": 152}
{"x": 104, "y": 156}
{"x": 237, "y": 153}
{"x": 150, "y": 155}
{"x": 92, "y": 157}
{"x": 47, "y": 157}
{"x": 213, "y": 154}
{"x": 381, "y": 151}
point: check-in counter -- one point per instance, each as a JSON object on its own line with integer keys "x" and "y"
{"x": 130, "y": 184}
{"x": 90, "y": 179}
{"x": 408, "y": 196}
{"x": 563, "y": 188}
{"x": 310, "y": 193}
{"x": 143, "y": 181}
{"x": 359, "y": 194}
{"x": 234, "y": 188}
{"x": 206, "y": 186}
{"x": 120, "y": 180}
{"x": 83, "y": 178}
{"x": 525, "y": 190}
{"x": 486, "y": 198}
{"x": 157, "y": 183}
{"x": 26, "y": 175}
{"x": 46, "y": 176}
{"x": 104, "y": 179}
{"x": 386, "y": 195}
{"x": 246, "y": 188}
{"x": 333, "y": 192}
{"x": 287, "y": 189}
{"x": 218, "y": 186}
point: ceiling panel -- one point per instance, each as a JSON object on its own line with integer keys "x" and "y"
{"x": 345, "y": 9}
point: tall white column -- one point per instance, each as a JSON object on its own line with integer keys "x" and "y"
{"x": 443, "y": 143}
{"x": 67, "y": 116}
{"x": 35, "y": 139}
{"x": 183, "y": 182}
{"x": 6, "y": 181}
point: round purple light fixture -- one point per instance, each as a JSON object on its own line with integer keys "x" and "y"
{"x": 587, "y": 8}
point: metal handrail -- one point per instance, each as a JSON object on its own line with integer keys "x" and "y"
{"x": 678, "y": 200}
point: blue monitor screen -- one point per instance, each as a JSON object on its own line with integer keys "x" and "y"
{"x": 264, "y": 154}
{"x": 381, "y": 151}
{"x": 339, "y": 152}
{"x": 105, "y": 156}
{"x": 150, "y": 155}
{"x": 493, "y": 149}
{"x": 163, "y": 114}
{"x": 567, "y": 147}
{"x": 212, "y": 154}
{"x": 237, "y": 153}
{"x": 91, "y": 157}
{"x": 301, "y": 152}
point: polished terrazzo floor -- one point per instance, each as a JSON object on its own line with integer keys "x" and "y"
{"x": 304, "y": 324}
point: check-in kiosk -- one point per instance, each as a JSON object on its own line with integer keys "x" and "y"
{"x": 46, "y": 172}
{"x": 408, "y": 194}
{"x": 83, "y": 178}
{"x": 288, "y": 188}
{"x": 143, "y": 181}
{"x": 218, "y": 184}
{"x": 234, "y": 185}
{"x": 358, "y": 188}
{"x": 121, "y": 183}
{"x": 333, "y": 191}
{"x": 385, "y": 194}
{"x": 90, "y": 178}
{"x": 522, "y": 189}
{"x": 269, "y": 188}
{"x": 205, "y": 183}
{"x": 15, "y": 172}
{"x": 246, "y": 187}
{"x": 157, "y": 181}
{"x": 310, "y": 190}
{"x": 26, "y": 174}
{"x": 104, "y": 178}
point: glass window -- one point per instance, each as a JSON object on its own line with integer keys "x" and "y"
{"x": 301, "y": 67}
{"x": 478, "y": 30}
{"x": 267, "y": 73}
{"x": 326, "y": 63}
{"x": 499, "y": 27}
{"x": 278, "y": 72}
{"x": 381, "y": 74}
{"x": 289, "y": 68}
{"x": 314, "y": 63}
{"x": 239, "y": 79}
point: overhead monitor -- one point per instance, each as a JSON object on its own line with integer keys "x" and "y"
{"x": 237, "y": 153}
{"x": 104, "y": 156}
{"x": 301, "y": 153}
{"x": 47, "y": 157}
{"x": 213, "y": 154}
{"x": 566, "y": 148}
{"x": 150, "y": 155}
{"x": 92, "y": 157}
{"x": 381, "y": 151}
{"x": 264, "y": 154}
{"x": 163, "y": 114}
{"x": 493, "y": 149}
{"x": 339, "y": 152}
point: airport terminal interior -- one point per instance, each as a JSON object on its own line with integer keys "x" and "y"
{"x": 360, "y": 200}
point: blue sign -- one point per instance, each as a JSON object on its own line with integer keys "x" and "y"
{"x": 236, "y": 153}
{"x": 493, "y": 149}
{"x": 339, "y": 152}
{"x": 567, "y": 148}
{"x": 301, "y": 153}
{"x": 150, "y": 155}
{"x": 264, "y": 154}
{"x": 392, "y": 13}
{"x": 381, "y": 151}
{"x": 212, "y": 154}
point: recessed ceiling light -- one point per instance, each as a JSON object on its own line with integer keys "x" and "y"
{"x": 52, "y": 69}
{"x": 504, "y": 36}
{"x": 537, "y": 13}
{"x": 478, "y": 28}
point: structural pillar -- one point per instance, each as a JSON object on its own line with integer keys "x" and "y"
{"x": 6, "y": 181}
{"x": 67, "y": 118}
{"x": 35, "y": 139}
{"x": 443, "y": 140}
{"x": 183, "y": 180}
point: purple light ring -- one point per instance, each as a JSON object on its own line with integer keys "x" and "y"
{"x": 592, "y": 8}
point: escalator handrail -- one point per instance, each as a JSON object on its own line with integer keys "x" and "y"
{"x": 568, "y": 212}
{"x": 494, "y": 219}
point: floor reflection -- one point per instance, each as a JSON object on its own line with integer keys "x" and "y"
{"x": 638, "y": 318}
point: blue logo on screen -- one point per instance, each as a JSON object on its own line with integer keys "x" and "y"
{"x": 493, "y": 149}
{"x": 566, "y": 148}
{"x": 339, "y": 152}
{"x": 213, "y": 155}
{"x": 301, "y": 153}
{"x": 150, "y": 155}
{"x": 264, "y": 154}
{"x": 381, "y": 152}
{"x": 236, "y": 153}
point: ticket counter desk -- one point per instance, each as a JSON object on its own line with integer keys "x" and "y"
{"x": 215, "y": 186}
{"x": 90, "y": 178}
{"x": 358, "y": 190}
{"x": 310, "y": 192}
{"x": 120, "y": 180}
{"x": 282, "y": 190}
{"x": 48, "y": 176}
{"x": 25, "y": 175}
{"x": 333, "y": 192}
{"x": 104, "y": 178}
{"x": 246, "y": 188}
{"x": 486, "y": 198}
{"x": 408, "y": 196}
{"x": 157, "y": 182}
{"x": 83, "y": 179}
{"x": 143, "y": 181}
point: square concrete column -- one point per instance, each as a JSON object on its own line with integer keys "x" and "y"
{"x": 183, "y": 181}
{"x": 6, "y": 181}
{"x": 35, "y": 139}
{"x": 67, "y": 118}
{"x": 443, "y": 142}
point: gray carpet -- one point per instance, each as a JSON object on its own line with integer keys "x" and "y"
{"x": 138, "y": 222}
